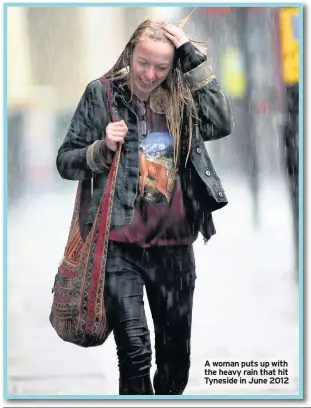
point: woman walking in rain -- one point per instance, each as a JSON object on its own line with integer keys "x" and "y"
{"x": 168, "y": 103}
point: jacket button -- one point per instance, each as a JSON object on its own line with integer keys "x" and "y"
{"x": 207, "y": 173}
{"x": 199, "y": 150}
{"x": 220, "y": 194}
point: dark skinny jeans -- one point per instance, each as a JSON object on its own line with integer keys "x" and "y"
{"x": 168, "y": 274}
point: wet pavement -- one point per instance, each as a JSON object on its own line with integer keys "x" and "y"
{"x": 245, "y": 306}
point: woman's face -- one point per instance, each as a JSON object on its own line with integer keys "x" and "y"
{"x": 151, "y": 63}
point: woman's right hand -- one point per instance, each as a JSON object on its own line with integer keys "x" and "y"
{"x": 115, "y": 133}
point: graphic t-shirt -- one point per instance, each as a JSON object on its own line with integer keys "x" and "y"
{"x": 160, "y": 214}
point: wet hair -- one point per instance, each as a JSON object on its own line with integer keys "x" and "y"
{"x": 172, "y": 97}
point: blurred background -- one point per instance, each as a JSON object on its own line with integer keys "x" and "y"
{"x": 246, "y": 304}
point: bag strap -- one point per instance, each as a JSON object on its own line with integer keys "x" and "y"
{"x": 85, "y": 187}
{"x": 104, "y": 214}
{"x": 83, "y": 195}
{"x": 106, "y": 82}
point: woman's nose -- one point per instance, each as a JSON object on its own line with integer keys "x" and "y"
{"x": 149, "y": 74}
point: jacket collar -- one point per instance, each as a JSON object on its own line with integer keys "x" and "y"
{"x": 120, "y": 88}
{"x": 122, "y": 91}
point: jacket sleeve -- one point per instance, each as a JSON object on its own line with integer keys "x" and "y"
{"x": 214, "y": 108}
{"x": 81, "y": 154}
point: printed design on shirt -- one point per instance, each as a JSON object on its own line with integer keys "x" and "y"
{"x": 156, "y": 182}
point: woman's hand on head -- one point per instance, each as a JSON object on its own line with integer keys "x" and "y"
{"x": 175, "y": 34}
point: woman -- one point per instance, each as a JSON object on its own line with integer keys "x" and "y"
{"x": 169, "y": 102}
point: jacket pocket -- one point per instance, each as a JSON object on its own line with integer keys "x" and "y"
{"x": 99, "y": 187}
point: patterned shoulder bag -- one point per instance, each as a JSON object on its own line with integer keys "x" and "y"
{"x": 78, "y": 314}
